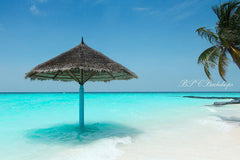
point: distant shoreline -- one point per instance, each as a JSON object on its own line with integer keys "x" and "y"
{"x": 236, "y": 98}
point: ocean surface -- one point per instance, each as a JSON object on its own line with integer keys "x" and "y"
{"x": 118, "y": 126}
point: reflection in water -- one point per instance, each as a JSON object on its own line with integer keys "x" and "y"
{"x": 73, "y": 134}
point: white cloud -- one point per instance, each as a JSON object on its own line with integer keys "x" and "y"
{"x": 179, "y": 11}
{"x": 183, "y": 10}
{"x": 34, "y": 9}
{"x": 180, "y": 7}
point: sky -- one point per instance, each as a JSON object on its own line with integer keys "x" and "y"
{"x": 156, "y": 39}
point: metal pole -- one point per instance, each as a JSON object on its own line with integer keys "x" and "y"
{"x": 81, "y": 105}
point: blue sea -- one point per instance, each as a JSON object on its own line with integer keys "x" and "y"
{"x": 118, "y": 126}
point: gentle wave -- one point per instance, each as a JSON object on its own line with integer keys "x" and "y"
{"x": 104, "y": 149}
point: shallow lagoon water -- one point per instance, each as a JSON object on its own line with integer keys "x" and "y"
{"x": 118, "y": 126}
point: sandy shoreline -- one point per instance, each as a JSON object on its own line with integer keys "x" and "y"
{"x": 210, "y": 139}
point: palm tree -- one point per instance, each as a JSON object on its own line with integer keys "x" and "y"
{"x": 225, "y": 40}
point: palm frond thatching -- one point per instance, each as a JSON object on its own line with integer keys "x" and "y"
{"x": 81, "y": 64}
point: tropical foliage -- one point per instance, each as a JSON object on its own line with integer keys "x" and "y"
{"x": 225, "y": 39}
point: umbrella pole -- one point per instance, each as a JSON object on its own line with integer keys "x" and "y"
{"x": 81, "y": 105}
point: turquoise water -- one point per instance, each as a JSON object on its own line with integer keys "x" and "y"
{"x": 45, "y": 126}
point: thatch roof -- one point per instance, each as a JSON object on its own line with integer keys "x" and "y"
{"x": 81, "y": 64}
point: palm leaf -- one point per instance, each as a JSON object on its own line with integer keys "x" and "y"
{"x": 222, "y": 65}
{"x": 226, "y": 38}
{"x": 209, "y": 59}
{"x": 231, "y": 8}
{"x": 207, "y": 72}
{"x": 219, "y": 10}
{"x": 228, "y": 15}
{"x": 226, "y": 10}
{"x": 202, "y": 58}
{"x": 207, "y": 34}
{"x": 235, "y": 53}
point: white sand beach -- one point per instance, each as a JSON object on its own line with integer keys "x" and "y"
{"x": 206, "y": 139}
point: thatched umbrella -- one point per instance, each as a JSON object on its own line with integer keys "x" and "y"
{"x": 80, "y": 64}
